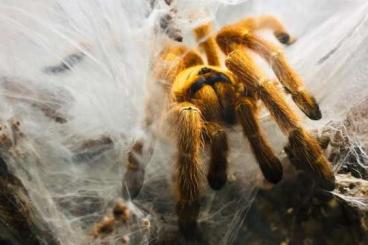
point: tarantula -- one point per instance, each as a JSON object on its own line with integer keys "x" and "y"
{"x": 203, "y": 99}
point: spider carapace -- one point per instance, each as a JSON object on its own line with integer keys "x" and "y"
{"x": 204, "y": 99}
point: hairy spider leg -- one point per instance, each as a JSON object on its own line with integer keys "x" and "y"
{"x": 188, "y": 123}
{"x": 246, "y": 71}
{"x": 248, "y": 117}
{"x": 206, "y": 87}
{"x": 207, "y": 42}
{"x": 217, "y": 139}
{"x": 303, "y": 147}
{"x": 173, "y": 59}
{"x": 197, "y": 114}
{"x": 290, "y": 80}
{"x": 268, "y": 22}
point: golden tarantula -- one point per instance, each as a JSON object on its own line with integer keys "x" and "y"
{"x": 203, "y": 99}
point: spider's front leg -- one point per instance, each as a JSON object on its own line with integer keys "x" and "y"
{"x": 291, "y": 81}
{"x": 188, "y": 125}
{"x": 240, "y": 34}
{"x": 303, "y": 145}
{"x": 173, "y": 59}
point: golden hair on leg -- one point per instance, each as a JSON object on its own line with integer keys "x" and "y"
{"x": 291, "y": 81}
{"x": 276, "y": 104}
{"x": 268, "y": 22}
{"x": 230, "y": 37}
{"x": 268, "y": 162}
{"x": 172, "y": 60}
{"x": 304, "y": 148}
{"x": 187, "y": 120}
{"x": 208, "y": 43}
{"x": 201, "y": 98}
{"x": 217, "y": 140}
{"x": 248, "y": 73}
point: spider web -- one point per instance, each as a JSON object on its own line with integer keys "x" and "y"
{"x": 101, "y": 93}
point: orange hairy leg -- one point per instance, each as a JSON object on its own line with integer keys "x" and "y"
{"x": 172, "y": 60}
{"x": 269, "y": 163}
{"x": 230, "y": 37}
{"x": 217, "y": 139}
{"x": 188, "y": 124}
{"x": 247, "y": 72}
{"x": 286, "y": 75}
{"x": 207, "y": 42}
{"x": 199, "y": 100}
{"x": 303, "y": 147}
{"x": 211, "y": 91}
{"x": 199, "y": 104}
{"x": 268, "y": 22}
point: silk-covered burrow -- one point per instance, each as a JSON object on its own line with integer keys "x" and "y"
{"x": 74, "y": 78}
